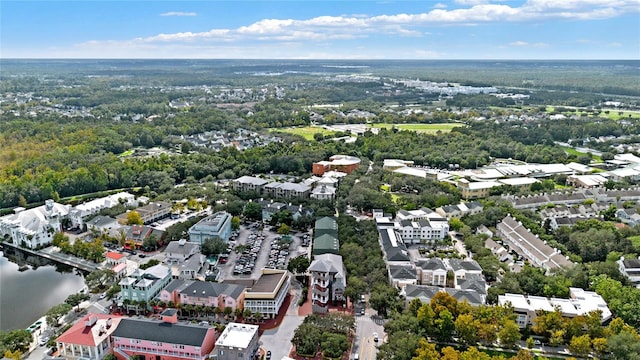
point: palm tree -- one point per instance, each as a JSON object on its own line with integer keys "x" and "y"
{"x": 188, "y": 308}
{"x": 171, "y": 304}
{"x": 180, "y": 306}
{"x": 237, "y": 313}
{"x": 143, "y": 305}
{"x": 198, "y": 309}
{"x": 246, "y": 314}
{"x": 227, "y": 311}
{"x": 258, "y": 315}
{"x": 216, "y": 312}
{"x": 153, "y": 303}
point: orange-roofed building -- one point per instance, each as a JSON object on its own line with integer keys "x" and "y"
{"x": 89, "y": 338}
{"x": 115, "y": 258}
{"x": 343, "y": 163}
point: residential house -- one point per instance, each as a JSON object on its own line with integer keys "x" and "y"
{"x": 163, "y": 340}
{"x": 393, "y": 249}
{"x": 631, "y": 269}
{"x": 144, "y": 285}
{"x": 192, "y": 268}
{"x": 498, "y": 250}
{"x": 432, "y": 271}
{"x": 268, "y": 293}
{"x": 580, "y": 302}
{"x": 323, "y": 192}
{"x": 462, "y": 269}
{"x": 402, "y": 275}
{"x": 217, "y": 225}
{"x": 237, "y": 342}
{"x": 328, "y": 281}
{"x": 115, "y": 258}
{"x": 35, "y": 227}
{"x": 103, "y": 224}
{"x": 179, "y": 251}
{"x": 89, "y": 338}
{"x": 249, "y": 184}
{"x": 630, "y": 216}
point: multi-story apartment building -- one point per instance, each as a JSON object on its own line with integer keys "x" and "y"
{"x": 89, "y": 338}
{"x": 328, "y": 281}
{"x": 144, "y": 285}
{"x": 343, "y": 163}
{"x": 34, "y": 227}
{"x": 268, "y": 293}
{"x": 249, "y": 183}
{"x": 217, "y": 225}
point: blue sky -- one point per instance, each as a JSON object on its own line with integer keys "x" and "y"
{"x": 362, "y": 29}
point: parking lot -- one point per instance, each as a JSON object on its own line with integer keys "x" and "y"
{"x": 259, "y": 248}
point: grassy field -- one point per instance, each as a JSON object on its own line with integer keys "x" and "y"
{"x": 306, "y": 132}
{"x": 421, "y": 128}
{"x": 572, "y": 151}
{"x": 612, "y": 114}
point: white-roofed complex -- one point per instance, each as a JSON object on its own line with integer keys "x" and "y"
{"x": 34, "y": 227}
{"x": 82, "y": 211}
{"x": 580, "y": 302}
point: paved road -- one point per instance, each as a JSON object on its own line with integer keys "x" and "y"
{"x": 363, "y": 344}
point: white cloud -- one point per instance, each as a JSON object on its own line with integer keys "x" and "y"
{"x": 179, "y": 13}
{"x": 325, "y": 29}
{"x": 524, "y": 43}
{"x": 615, "y": 44}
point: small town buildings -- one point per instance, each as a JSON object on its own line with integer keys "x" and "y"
{"x": 426, "y": 292}
{"x": 249, "y": 184}
{"x": 432, "y": 271}
{"x": 35, "y": 227}
{"x": 630, "y": 216}
{"x": 268, "y": 293}
{"x": 402, "y": 275}
{"x": 580, "y": 302}
{"x": 323, "y": 192}
{"x": 586, "y": 181}
{"x": 144, "y": 285}
{"x": 206, "y": 293}
{"x": 287, "y": 190}
{"x": 325, "y": 237}
{"x": 237, "y": 342}
{"x": 115, "y": 258}
{"x": 476, "y": 189}
{"x": 328, "y": 281}
{"x": 530, "y": 246}
{"x": 103, "y": 224}
{"x": 179, "y": 251}
{"x": 631, "y": 269}
{"x": 343, "y": 163}
{"x": 164, "y": 340}
{"x": 217, "y": 225}
{"x": 150, "y": 213}
{"x": 89, "y": 338}
{"x": 79, "y": 213}
{"x": 137, "y": 234}
{"x": 420, "y": 226}
{"x": 393, "y": 249}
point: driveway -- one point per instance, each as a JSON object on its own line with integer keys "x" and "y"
{"x": 278, "y": 340}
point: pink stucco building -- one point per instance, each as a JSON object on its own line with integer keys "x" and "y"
{"x": 165, "y": 339}
{"x": 204, "y": 293}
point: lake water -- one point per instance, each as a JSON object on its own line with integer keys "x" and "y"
{"x": 26, "y": 295}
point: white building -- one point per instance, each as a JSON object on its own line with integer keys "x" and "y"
{"x": 328, "y": 281}
{"x": 580, "y": 302}
{"x": 82, "y": 211}
{"x": 631, "y": 269}
{"x": 419, "y": 226}
{"x": 237, "y": 342}
{"x": 34, "y": 227}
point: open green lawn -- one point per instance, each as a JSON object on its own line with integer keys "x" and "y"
{"x": 127, "y": 153}
{"x": 422, "y": 128}
{"x": 612, "y": 114}
{"x": 306, "y": 132}
{"x": 572, "y": 151}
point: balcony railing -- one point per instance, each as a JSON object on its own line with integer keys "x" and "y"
{"x": 140, "y": 349}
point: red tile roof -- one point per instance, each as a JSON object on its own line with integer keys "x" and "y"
{"x": 114, "y": 255}
{"x": 80, "y": 334}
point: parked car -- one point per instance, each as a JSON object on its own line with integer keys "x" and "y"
{"x": 375, "y": 337}
{"x": 268, "y": 357}
{"x": 44, "y": 340}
